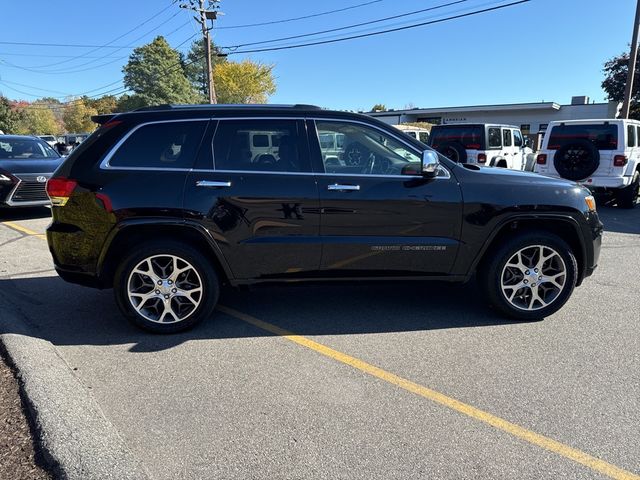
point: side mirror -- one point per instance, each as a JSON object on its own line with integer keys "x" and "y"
{"x": 430, "y": 163}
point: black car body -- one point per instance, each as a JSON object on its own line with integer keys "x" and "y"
{"x": 26, "y": 163}
{"x": 251, "y": 190}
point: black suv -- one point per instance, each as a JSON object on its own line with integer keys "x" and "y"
{"x": 166, "y": 203}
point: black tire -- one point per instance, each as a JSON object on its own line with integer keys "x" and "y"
{"x": 576, "y": 160}
{"x": 490, "y": 276}
{"x": 627, "y": 197}
{"x": 453, "y": 151}
{"x": 205, "y": 274}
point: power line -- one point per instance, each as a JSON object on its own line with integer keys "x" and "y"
{"x": 84, "y": 55}
{"x": 300, "y": 18}
{"x": 355, "y": 25}
{"x": 381, "y": 32}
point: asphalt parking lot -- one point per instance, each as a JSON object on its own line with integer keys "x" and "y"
{"x": 355, "y": 381}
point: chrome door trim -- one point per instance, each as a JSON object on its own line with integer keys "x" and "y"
{"x": 212, "y": 184}
{"x": 343, "y": 188}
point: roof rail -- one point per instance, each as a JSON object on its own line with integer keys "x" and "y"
{"x": 168, "y": 106}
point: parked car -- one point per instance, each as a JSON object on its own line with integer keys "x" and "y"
{"x": 164, "y": 204}
{"x": 485, "y": 144}
{"x": 418, "y": 133}
{"x": 603, "y": 155}
{"x": 26, "y": 163}
{"x": 50, "y": 139}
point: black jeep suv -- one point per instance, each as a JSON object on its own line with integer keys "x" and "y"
{"x": 166, "y": 203}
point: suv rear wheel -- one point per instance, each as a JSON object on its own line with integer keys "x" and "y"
{"x": 531, "y": 276}
{"x": 166, "y": 287}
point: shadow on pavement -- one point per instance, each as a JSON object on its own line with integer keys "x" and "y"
{"x": 66, "y": 314}
{"x": 620, "y": 220}
{"x": 24, "y": 213}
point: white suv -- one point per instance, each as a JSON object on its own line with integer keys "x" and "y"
{"x": 486, "y": 144}
{"x": 603, "y": 155}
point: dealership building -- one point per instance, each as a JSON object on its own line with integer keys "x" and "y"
{"x": 532, "y": 118}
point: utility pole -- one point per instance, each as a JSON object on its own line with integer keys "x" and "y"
{"x": 633, "y": 56}
{"x": 204, "y": 15}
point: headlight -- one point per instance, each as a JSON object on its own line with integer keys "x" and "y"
{"x": 591, "y": 203}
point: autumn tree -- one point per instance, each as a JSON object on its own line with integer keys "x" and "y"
{"x": 77, "y": 116}
{"x": 379, "y": 107}
{"x": 195, "y": 67}
{"x": 9, "y": 116}
{"x": 615, "y": 71}
{"x": 102, "y": 105}
{"x": 243, "y": 82}
{"x": 155, "y": 73}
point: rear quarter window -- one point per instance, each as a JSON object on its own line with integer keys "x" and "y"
{"x": 161, "y": 145}
{"x": 470, "y": 136}
{"x": 604, "y": 137}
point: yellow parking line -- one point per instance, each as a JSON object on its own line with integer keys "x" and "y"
{"x": 21, "y": 229}
{"x": 451, "y": 403}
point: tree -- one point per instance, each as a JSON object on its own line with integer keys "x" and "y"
{"x": 106, "y": 104}
{"x": 243, "y": 82}
{"x": 379, "y": 107}
{"x": 615, "y": 71}
{"x": 155, "y": 73}
{"x": 37, "y": 119}
{"x": 195, "y": 68}
{"x": 77, "y": 116}
{"x": 9, "y": 116}
{"x": 127, "y": 103}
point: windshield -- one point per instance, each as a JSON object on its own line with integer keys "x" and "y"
{"x": 25, "y": 148}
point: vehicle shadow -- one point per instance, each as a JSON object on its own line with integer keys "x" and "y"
{"x": 66, "y": 314}
{"x": 24, "y": 213}
{"x": 620, "y": 220}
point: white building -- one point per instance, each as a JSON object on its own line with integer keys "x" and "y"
{"x": 530, "y": 117}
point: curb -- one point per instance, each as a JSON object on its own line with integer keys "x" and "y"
{"x": 76, "y": 439}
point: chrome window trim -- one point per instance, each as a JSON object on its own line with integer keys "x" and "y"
{"x": 105, "y": 165}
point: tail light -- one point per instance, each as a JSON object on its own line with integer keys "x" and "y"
{"x": 59, "y": 190}
{"x": 482, "y": 158}
{"x": 620, "y": 161}
{"x": 542, "y": 159}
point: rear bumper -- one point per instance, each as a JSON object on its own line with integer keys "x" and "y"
{"x": 79, "y": 278}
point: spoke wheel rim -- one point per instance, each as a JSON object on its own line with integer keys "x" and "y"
{"x": 165, "y": 289}
{"x": 533, "y": 278}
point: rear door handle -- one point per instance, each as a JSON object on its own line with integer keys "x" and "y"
{"x": 343, "y": 188}
{"x": 210, "y": 184}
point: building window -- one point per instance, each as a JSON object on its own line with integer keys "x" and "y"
{"x": 543, "y": 127}
{"x": 525, "y": 129}
{"x": 431, "y": 120}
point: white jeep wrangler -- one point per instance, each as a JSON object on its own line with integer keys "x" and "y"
{"x": 602, "y": 155}
{"x": 485, "y": 144}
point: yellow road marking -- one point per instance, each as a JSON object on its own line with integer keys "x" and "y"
{"x": 451, "y": 403}
{"x": 21, "y": 229}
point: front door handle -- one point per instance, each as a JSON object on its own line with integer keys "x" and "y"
{"x": 209, "y": 184}
{"x": 343, "y": 188}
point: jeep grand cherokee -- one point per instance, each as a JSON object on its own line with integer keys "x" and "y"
{"x": 166, "y": 203}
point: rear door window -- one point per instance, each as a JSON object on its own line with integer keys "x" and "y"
{"x": 604, "y": 137}
{"x": 494, "y": 137}
{"x": 470, "y": 136}
{"x": 233, "y": 152}
{"x": 631, "y": 136}
{"x": 161, "y": 145}
{"x": 506, "y": 137}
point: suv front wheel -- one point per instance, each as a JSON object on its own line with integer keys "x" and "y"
{"x": 531, "y": 276}
{"x": 166, "y": 287}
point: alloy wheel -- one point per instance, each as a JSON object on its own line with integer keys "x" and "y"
{"x": 533, "y": 278}
{"x": 165, "y": 289}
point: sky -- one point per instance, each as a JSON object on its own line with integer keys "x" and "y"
{"x": 542, "y": 50}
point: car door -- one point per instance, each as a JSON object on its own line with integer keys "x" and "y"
{"x": 261, "y": 208}
{"x": 507, "y": 146}
{"x": 519, "y": 157}
{"x": 380, "y": 217}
